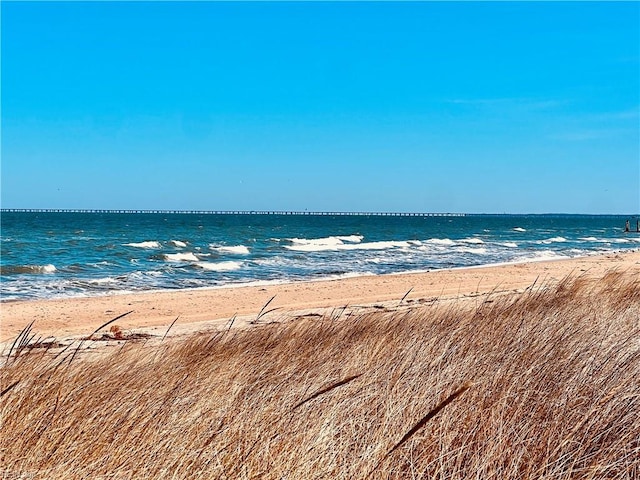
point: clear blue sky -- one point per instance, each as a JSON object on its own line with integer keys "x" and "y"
{"x": 455, "y": 107}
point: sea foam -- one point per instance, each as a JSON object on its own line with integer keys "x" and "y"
{"x": 440, "y": 241}
{"x": 239, "y": 249}
{"x": 475, "y": 251}
{"x": 178, "y": 243}
{"x": 314, "y": 247}
{"x": 350, "y": 238}
{"x": 181, "y": 257}
{"x": 102, "y": 281}
{"x": 220, "y": 266}
{"x": 332, "y": 240}
{"x": 150, "y": 244}
{"x": 544, "y": 255}
{"x": 553, "y": 240}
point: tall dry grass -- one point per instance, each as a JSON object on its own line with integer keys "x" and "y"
{"x": 542, "y": 385}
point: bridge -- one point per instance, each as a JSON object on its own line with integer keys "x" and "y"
{"x": 231, "y": 212}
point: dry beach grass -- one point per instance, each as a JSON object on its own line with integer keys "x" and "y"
{"x": 542, "y": 384}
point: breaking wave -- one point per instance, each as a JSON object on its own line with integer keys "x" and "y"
{"x": 238, "y": 249}
{"x": 475, "y": 251}
{"x": 150, "y": 244}
{"x": 181, "y": 257}
{"x": 315, "y": 247}
{"x": 333, "y": 240}
{"x": 553, "y": 240}
{"x": 22, "y": 269}
{"x": 220, "y": 266}
{"x": 440, "y": 241}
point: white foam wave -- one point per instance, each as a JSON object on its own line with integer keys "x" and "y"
{"x": 101, "y": 281}
{"x": 350, "y": 238}
{"x": 553, "y": 240}
{"x": 365, "y": 273}
{"x": 610, "y": 240}
{"x": 140, "y": 275}
{"x": 440, "y": 241}
{"x": 327, "y": 241}
{"x": 102, "y": 263}
{"x": 377, "y": 245}
{"x": 220, "y": 266}
{"x": 178, "y": 243}
{"x": 544, "y": 255}
{"x": 476, "y": 251}
{"x": 509, "y": 244}
{"x": 181, "y": 257}
{"x": 519, "y": 229}
{"x": 382, "y": 245}
{"x": 277, "y": 261}
{"x": 239, "y": 249}
{"x": 312, "y": 247}
{"x": 150, "y": 244}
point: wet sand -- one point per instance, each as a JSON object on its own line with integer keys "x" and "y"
{"x": 212, "y": 308}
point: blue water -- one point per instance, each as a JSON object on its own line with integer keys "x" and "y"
{"x": 45, "y": 255}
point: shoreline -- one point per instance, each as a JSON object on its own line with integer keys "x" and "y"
{"x": 344, "y": 276}
{"x": 212, "y": 307}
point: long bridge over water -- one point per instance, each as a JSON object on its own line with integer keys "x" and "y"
{"x": 230, "y": 212}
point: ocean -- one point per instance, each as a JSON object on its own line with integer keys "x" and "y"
{"x": 54, "y": 255}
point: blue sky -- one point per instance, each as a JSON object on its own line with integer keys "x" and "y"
{"x": 443, "y": 107}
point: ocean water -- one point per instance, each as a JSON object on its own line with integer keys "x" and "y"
{"x": 46, "y": 255}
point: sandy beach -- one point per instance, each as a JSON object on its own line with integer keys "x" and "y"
{"x": 212, "y": 308}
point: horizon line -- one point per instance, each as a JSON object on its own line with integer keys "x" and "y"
{"x": 288, "y": 212}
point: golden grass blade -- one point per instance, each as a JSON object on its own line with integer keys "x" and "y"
{"x": 424, "y": 420}
{"x": 6, "y": 390}
{"x": 324, "y": 390}
{"x": 167, "y": 332}
{"x": 405, "y": 296}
